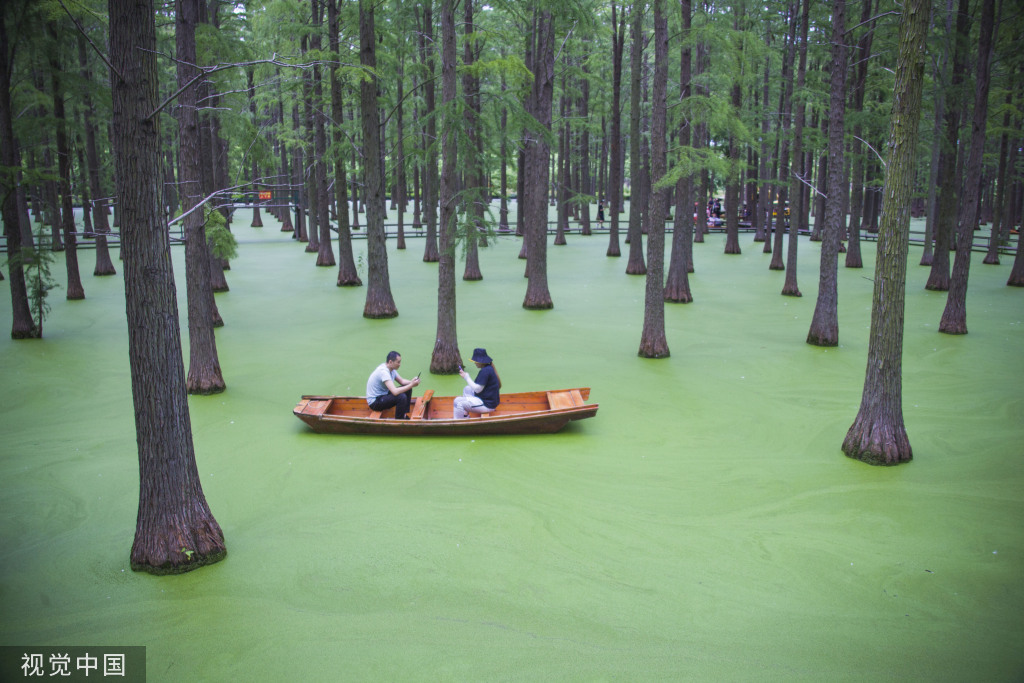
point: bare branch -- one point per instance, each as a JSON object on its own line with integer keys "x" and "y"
{"x": 81, "y": 30}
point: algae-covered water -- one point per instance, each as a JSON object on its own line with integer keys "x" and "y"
{"x": 704, "y": 526}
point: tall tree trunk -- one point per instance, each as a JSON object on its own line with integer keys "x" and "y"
{"x": 175, "y": 531}
{"x": 636, "y": 265}
{"x": 75, "y": 290}
{"x": 677, "y": 285}
{"x": 537, "y": 169}
{"x": 790, "y": 288}
{"x": 379, "y": 301}
{"x": 22, "y": 324}
{"x": 824, "y": 330}
{"x": 878, "y": 435}
{"x": 472, "y": 165}
{"x": 446, "y": 358}
{"x": 101, "y": 227}
{"x": 949, "y": 179}
{"x": 954, "y": 317}
{"x": 615, "y": 161}
{"x": 204, "y": 373}
{"x": 853, "y": 255}
{"x": 348, "y": 275}
{"x": 430, "y": 179}
{"x": 653, "y": 342}
{"x": 779, "y": 203}
{"x": 735, "y": 179}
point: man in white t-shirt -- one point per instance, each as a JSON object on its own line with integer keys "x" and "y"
{"x": 386, "y": 388}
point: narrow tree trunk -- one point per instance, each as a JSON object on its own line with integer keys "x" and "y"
{"x": 348, "y": 275}
{"x": 790, "y": 288}
{"x": 101, "y": 227}
{"x": 75, "y": 290}
{"x": 636, "y": 265}
{"x": 430, "y": 179}
{"x": 615, "y": 161}
{"x": 878, "y": 435}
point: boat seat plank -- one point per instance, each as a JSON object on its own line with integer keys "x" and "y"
{"x": 375, "y": 414}
{"x": 564, "y": 399}
{"x": 421, "y": 405}
{"x": 316, "y": 407}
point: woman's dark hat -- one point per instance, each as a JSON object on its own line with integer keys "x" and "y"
{"x": 480, "y": 356}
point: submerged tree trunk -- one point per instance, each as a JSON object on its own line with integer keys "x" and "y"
{"x": 204, "y": 373}
{"x": 22, "y": 324}
{"x": 653, "y": 341}
{"x": 175, "y": 531}
{"x": 446, "y": 359}
{"x": 615, "y": 162}
{"x": 348, "y": 275}
{"x": 101, "y": 226}
{"x": 537, "y": 167}
{"x": 379, "y": 301}
{"x": 677, "y": 284}
{"x": 824, "y": 329}
{"x": 635, "y": 265}
{"x": 954, "y": 317}
{"x": 789, "y": 287}
{"x": 430, "y": 179}
{"x": 878, "y": 435}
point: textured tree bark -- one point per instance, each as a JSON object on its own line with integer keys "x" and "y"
{"x": 677, "y": 284}
{"x": 175, "y": 531}
{"x": 778, "y": 205}
{"x": 945, "y": 220}
{"x": 75, "y": 291}
{"x": 735, "y": 181}
{"x": 325, "y": 250}
{"x": 954, "y": 317}
{"x": 824, "y": 329}
{"x": 789, "y": 287}
{"x": 348, "y": 275}
{"x": 615, "y": 160}
{"x": 445, "y": 359}
{"x": 101, "y": 227}
{"x": 653, "y": 342}
{"x": 473, "y": 164}
{"x": 204, "y": 373}
{"x": 538, "y": 173}
{"x": 22, "y": 324}
{"x": 878, "y": 435}
{"x": 635, "y": 265}
{"x": 379, "y": 301}
{"x": 430, "y": 179}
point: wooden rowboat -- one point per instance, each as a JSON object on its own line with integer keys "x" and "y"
{"x": 531, "y": 412}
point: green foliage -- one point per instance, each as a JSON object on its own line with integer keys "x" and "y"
{"x": 35, "y": 263}
{"x": 223, "y": 244}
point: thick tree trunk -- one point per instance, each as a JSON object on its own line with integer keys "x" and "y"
{"x": 653, "y": 341}
{"x": 878, "y": 435}
{"x": 446, "y": 359}
{"x": 175, "y": 531}
{"x": 379, "y": 301}
{"x": 954, "y": 317}
{"x": 824, "y": 330}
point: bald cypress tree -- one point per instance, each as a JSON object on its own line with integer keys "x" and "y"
{"x": 878, "y": 435}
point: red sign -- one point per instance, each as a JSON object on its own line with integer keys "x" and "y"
{"x": 264, "y": 195}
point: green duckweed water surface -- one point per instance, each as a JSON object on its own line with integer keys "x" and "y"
{"x": 705, "y": 526}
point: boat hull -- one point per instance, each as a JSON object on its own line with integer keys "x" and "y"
{"x": 524, "y": 413}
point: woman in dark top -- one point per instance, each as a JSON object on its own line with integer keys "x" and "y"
{"x": 482, "y": 395}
